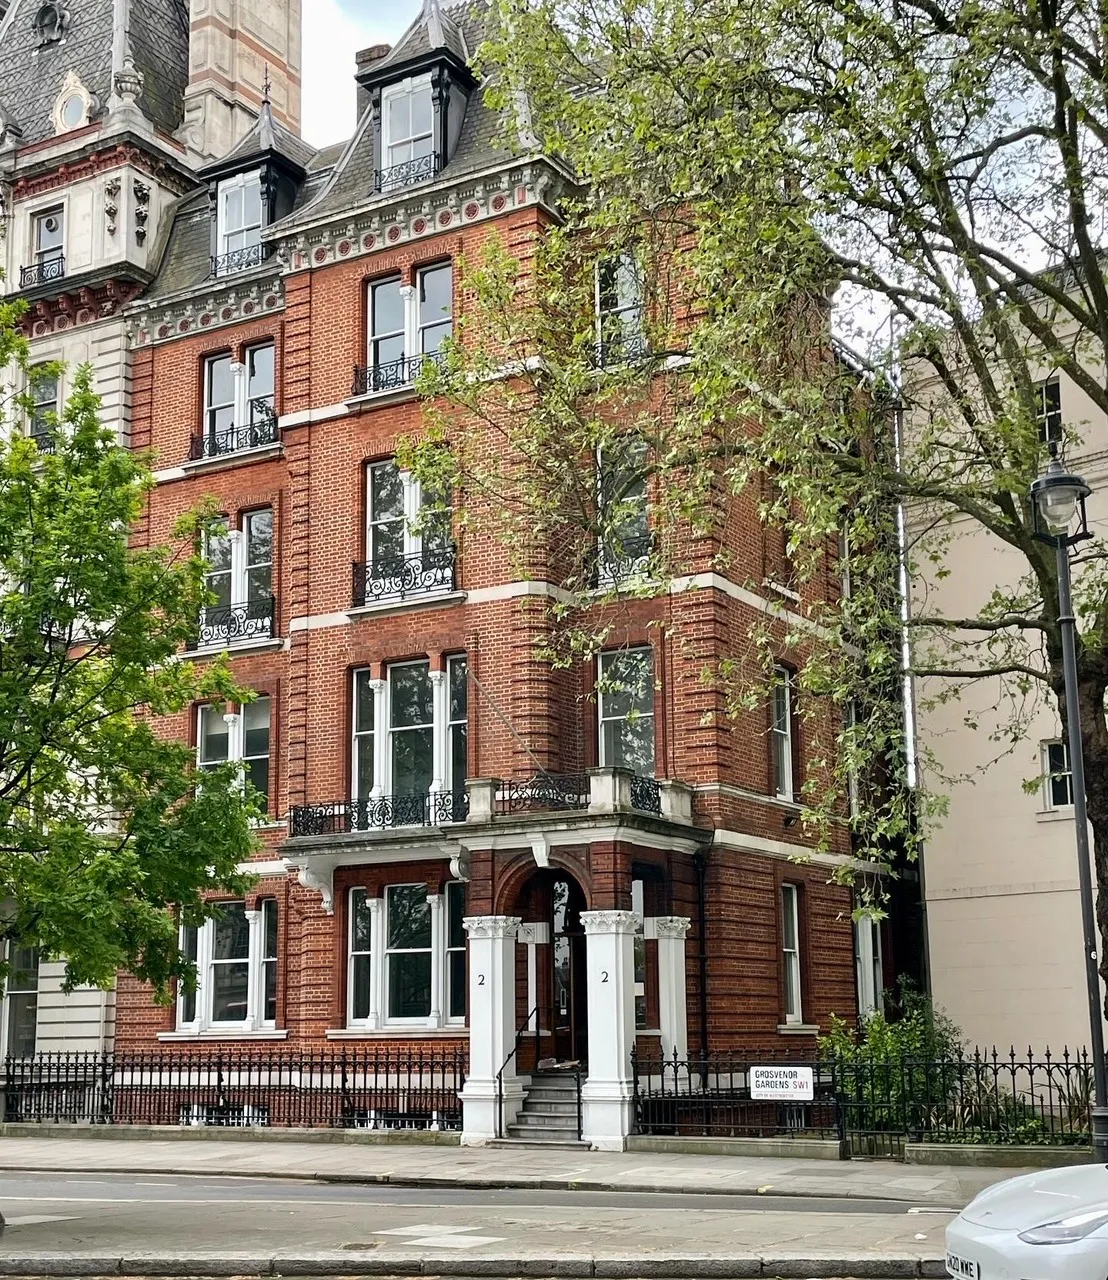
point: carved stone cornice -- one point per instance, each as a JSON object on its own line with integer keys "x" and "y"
{"x": 67, "y": 172}
{"x": 208, "y": 307}
{"x": 81, "y": 305}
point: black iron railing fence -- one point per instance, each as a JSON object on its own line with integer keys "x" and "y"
{"x": 390, "y": 375}
{"x": 260, "y": 431}
{"x": 544, "y": 791}
{"x": 379, "y": 1088}
{"x": 421, "y": 169}
{"x": 874, "y": 1105}
{"x": 394, "y": 578}
{"x": 253, "y": 255}
{"x": 45, "y": 271}
{"x": 237, "y": 623}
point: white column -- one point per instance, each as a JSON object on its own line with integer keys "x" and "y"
{"x": 411, "y": 319}
{"x": 434, "y": 901}
{"x": 606, "y": 1094}
{"x": 241, "y": 410}
{"x": 438, "y": 732}
{"x": 380, "y": 739}
{"x": 670, "y": 932}
{"x": 492, "y": 1030}
{"x": 376, "y": 908}
{"x": 254, "y": 968}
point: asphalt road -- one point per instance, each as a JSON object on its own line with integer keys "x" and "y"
{"x": 171, "y": 1212}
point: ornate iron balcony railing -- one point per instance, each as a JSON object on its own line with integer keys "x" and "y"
{"x": 261, "y": 430}
{"x": 45, "y": 439}
{"x": 226, "y": 264}
{"x": 394, "y": 375}
{"x": 623, "y": 558}
{"x": 620, "y": 348}
{"x": 407, "y": 174}
{"x": 646, "y": 795}
{"x": 545, "y": 791}
{"x": 43, "y": 272}
{"x": 237, "y": 623}
{"x": 344, "y": 817}
{"x": 401, "y": 577}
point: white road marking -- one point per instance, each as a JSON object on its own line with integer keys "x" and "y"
{"x": 457, "y": 1242}
{"x": 437, "y": 1236}
{"x": 33, "y": 1219}
{"x": 935, "y": 1210}
{"x": 425, "y": 1229}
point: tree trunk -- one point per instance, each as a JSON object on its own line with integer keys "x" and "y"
{"x": 1094, "y": 748}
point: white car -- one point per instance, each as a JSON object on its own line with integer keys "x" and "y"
{"x": 1044, "y": 1226}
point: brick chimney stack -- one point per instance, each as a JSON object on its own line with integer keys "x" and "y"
{"x": 233, "y": 44}
{"x": 364, "y": 59}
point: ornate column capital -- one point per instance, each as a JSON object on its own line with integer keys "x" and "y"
{"x": 599, "y": 922}
{"x": 492, "y": 926}
{"x": 671, "y": 926}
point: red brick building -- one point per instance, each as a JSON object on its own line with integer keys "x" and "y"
{"x": 462, "y": 842}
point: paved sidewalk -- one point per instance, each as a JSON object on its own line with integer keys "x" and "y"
{"x": 444, "y": 1166}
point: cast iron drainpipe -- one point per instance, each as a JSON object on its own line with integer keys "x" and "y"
{"x": 700, "y": 862}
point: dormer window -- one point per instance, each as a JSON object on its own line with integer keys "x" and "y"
{"x": 407, "y": 141}
{"x": 239, "y": 224}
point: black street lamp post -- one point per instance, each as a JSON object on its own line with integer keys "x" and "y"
{"x": 1056, "y": 497}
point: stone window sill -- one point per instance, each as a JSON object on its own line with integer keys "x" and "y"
{"x": 781, "y": 590}
{"x": 1055, "y": 815}
{"x": 269, "y": 645}
{"x": 409, "y": 602}
{"x": 185, "y": 1037}
{"x": 371, "y": 399}
{"x": 398, "y": 1033}
{"x": 798, "y": 1029}
{"x": 261, "y": 453}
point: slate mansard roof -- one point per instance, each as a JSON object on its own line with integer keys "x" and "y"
{"x": 340, "y": 179}
{"x": 99, "y": 35}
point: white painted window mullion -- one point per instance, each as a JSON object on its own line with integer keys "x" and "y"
{"x": 376, "y": 961}
{"x": 381, "y": 739}
{"x": 438, "y": 967}
{"x": 439, "y": 731}
{"x": 254, "y": 970}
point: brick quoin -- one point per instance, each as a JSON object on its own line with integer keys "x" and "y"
{"x": 523, "y": 716}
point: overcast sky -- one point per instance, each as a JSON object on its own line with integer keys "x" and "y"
{"x": 334, "y": 30}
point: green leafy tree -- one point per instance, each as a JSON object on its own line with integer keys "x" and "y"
{"x": 103, "y": 829}
{"x": 922, "y": 184}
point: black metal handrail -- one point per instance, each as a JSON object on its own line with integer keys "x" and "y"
{"x": 225, "y": 264}
{"x": 535, "y": 1013}
{"x": 646, "y": 794}
{"x": 392, "y": 375}
{"x": 259, "y": 432}
{"x": 380, "y": 813}
{"x": 407, "y": 174}
{"x": 377, "y": 1087}
{"x": 544, "y": 791}
{"x": 399, "y": 577}
{"x": 45, "y": 271}
{"x": 237, "y": 623}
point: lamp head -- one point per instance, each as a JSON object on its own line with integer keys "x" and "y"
{"x": 1056, "y": 496}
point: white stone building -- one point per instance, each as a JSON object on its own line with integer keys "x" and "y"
{"x": 107, "y": 109}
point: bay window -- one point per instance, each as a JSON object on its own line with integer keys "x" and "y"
{"x": 240, "y": 577}
{"x": 625, "y": 688}
{"x": 235, "y": 953}
{"x": 406, "y": 957}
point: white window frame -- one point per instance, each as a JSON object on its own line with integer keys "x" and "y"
{"x": 790, "y": 955}
{"x": 437, "y": 725}
{"x": 433, "y": 1017}
{"x": 374, "y": 905}
{"x": 235, "y": 722}
{"x": 414, "y": 330}
{"x": 241, "y": 401}
{"x": 869, "y": 962}
{"x": 441, "y": 580}
{"x": 781, "y": 734}
{"x": 453, "y": 784}
{"x": 611, "y": 655}
{"x": 35, "y": 388}
{"x": 254, "y": 1019}
{"x": 409, "y": 88}
{"x": 623, "y": 306}
{"x": 363, "y": 676}
{"x": 451, "y": 888}
{"x": 38, "y": 217}
{"x": 223, "y": 232}
{"x": 6, "y": 1026}
{"x": 1050, "y": 805}
{"x": 1049, "y": 416}
{"x": 260, "y": 630}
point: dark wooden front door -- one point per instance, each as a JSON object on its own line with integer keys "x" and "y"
{"x": 570, "y": 1019}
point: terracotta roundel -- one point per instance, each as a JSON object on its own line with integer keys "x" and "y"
{"x": 184, "y": 326}
{"x": 163, "y": 331}
{"x": 369, "y": 241}
{"x": 472, "y": 209}
{"x": 498, "y": 202}
{"x": 226, "y": 313}
{"x": 344, "y": 247}
{"x": 419, "y": 226}
{"x": 394, "y": 233}
{"x": 445, "y": 217}
{"x": 247, "y": 308}
{"x": 270, "y": 301}
{"x": 320, "y": 255}
{"x": 205, "y": 320}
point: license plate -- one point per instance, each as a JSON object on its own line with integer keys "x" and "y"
{"x": 962, "y": 1267}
